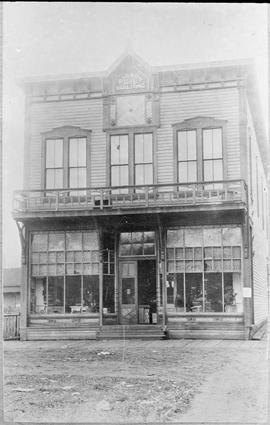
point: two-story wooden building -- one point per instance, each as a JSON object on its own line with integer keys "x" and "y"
{"x": 145, "y": 203}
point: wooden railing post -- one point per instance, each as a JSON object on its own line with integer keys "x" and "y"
{"x": 101, "y": 199}
{"x": 147, "y": 196}
{"x": 57, "y": 201}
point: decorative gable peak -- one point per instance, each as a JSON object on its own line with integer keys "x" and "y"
{"x": 128, "y": 74}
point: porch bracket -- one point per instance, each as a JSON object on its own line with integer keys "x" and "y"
{"x": 22, "y": 235}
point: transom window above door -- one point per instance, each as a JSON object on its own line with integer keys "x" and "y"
{"x": 137, "y": 243}
{"x": 199, "y": 150}
{"x": 66, "y": 158}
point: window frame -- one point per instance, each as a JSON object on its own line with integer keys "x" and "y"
{"x": 202, "y": 271}
{"x": 45, "y": 160}
{"x": 131, "y": 133}
{"x": 66, "y": 261}
{"x": 66, "y": 133}
{"x": 199, "y": 124}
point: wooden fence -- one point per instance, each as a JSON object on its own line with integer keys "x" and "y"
{"x": 11, "y": 328}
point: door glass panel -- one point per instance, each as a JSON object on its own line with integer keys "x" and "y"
{"x": 108, "y": 294}
{"x": 131, "y": 269}
{"x": 128, "y": 290}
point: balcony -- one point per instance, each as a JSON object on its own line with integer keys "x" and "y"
{"x": 109, "y": 200}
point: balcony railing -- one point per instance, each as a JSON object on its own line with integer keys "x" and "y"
{"x": 116, "y": 197}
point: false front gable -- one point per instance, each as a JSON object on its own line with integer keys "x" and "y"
{"x": 129, "y": 89}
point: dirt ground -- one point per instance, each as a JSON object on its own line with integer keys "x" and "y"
{"x": 136, "y": 381}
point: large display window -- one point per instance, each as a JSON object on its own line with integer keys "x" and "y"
{"x": 64, "y": 272}
{"x": 204, "y": 269}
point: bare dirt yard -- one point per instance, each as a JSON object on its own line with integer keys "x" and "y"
{"x": 136, "y": 381}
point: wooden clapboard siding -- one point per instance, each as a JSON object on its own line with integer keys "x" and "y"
{"x": 260, "y": 250}
{"x": 176, "y": 107}
{"x": 206, "y": 326}
{"x": 69, "y": 327}
{"x": 260, "y": 224}
{"x": 33, "y": 334}
{"x": 87, "y": 114}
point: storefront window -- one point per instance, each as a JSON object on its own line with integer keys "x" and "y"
{"x": 204, "y": 269}
{"x": 194, "y": 292}
{"x": 213, "y": 292}
{"x": 65, "y": 271}
{"x": 55, "y": 295}
{"x": 91, "y": 293}
{"x": 38, "y": 295}
{"x": 73, "y": 294}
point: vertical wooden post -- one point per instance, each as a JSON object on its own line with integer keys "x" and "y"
{"x": 100, "y": 277}
{"x": 100, "y": 268}
{"x": 24, "y": 303}
{"x": 247, "y": 255}
{"x": 25, "y": 243}
{"x": 246, "y": 279}
{"x": 162, "y": 262}
{"x": 163, "y": 271}
{"x": 116, "y": 276}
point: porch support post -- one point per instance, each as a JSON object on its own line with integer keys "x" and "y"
{"x": 161, "y": 233}
{"x": 100, "y": 247}
{"x": 247, "y": 257}
{"x": 247, "y": 284}
{"x": 24, "y": 280}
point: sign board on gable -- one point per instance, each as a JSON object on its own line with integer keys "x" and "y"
{"x": 130, "y": 81}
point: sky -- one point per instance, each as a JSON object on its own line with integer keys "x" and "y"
{"x": 48, "y": 38}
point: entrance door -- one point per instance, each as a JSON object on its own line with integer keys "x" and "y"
{"x": 128, "y": 293}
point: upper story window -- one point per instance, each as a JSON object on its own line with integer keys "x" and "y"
{"x": 54, "y": 173}
{"x": 131, "y": 160}
{"x": 143, "y": 145}
{"x": 212, "y": 154}
{"x": 77, "y": 162}
{"x": 119, "y": 160}
{"x": 199, "y": 145}
{"x": 187, "y": 156}
{"x": 66, "y": 158}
